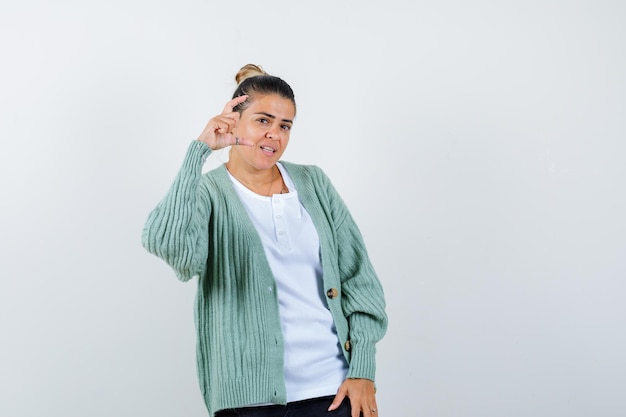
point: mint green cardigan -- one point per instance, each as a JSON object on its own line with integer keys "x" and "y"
{"x": 202, "y": 230}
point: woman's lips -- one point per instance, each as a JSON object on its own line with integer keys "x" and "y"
{"x": 268, "y": 149}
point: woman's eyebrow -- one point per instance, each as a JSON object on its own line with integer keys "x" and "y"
{"x": 271, "y": 116}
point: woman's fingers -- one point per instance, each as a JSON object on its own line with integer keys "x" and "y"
{"x": 239, "y": 141}
{"x": 362, "y": 397}
{"x": 218, "y": 132}
{"x": 228, "y": 108}
{"x": 341, "y": 394}
{"x": 225, "y": 123}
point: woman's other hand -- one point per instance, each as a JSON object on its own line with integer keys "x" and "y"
{"x": 362, "y": 395}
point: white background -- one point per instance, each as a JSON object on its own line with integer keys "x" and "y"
{"x": 479, "y": 144}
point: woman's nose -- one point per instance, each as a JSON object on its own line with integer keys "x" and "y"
{"x": 273, "y": 133}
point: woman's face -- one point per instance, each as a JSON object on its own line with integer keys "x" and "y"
{"x": 267, "y": 124}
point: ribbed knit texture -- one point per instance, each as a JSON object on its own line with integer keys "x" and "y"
{"x": 202, "y": 230}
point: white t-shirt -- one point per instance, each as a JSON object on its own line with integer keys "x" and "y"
{"x": 314, "y": 365}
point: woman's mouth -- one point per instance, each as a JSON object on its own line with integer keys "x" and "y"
{"x": 268, "y": 149}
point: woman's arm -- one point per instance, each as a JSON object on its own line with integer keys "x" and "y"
{"x": 363, "y": 304}
{"x": 362, "y": 297}
{"x": 176, "y": 230}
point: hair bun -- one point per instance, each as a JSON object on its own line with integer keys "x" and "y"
{"x": 249, "y": 71}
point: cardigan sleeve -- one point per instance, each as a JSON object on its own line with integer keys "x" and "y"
{"x": 362, "y": 296}
{"x": 176, "y": 230}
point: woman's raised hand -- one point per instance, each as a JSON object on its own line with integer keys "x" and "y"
{"x": 218, "y": 131}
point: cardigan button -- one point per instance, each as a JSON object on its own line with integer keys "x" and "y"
{"x": 332, "y": 293}
{"x": 347, "y": 345}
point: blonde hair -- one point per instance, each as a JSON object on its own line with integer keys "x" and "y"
{"x": 249, "y": 71}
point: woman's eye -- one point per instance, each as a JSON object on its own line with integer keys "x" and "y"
{"x": 264, "y": 121}
{"x": 286, "y": 127}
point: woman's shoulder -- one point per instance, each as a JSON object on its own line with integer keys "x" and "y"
{"x": 217, "y": 174}
{"x": 215, "y": 182}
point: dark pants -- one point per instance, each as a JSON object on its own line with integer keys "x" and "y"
{"x": 316, "y": 407}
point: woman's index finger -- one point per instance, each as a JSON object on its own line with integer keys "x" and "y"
{"x": 228, "y": 108}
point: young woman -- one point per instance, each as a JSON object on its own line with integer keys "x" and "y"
{"x": 288, "y": 307}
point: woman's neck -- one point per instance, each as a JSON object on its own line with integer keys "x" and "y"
{"x": 264, "y": 182}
